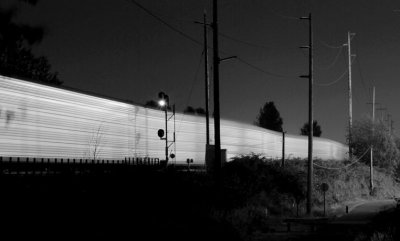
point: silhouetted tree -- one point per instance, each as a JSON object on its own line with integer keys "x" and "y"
{"x": 306, "y": 129}
{"x": 16, "y": 41}
{"x": 151, "y": 103}
{"x": 189, "y": 110}
{"x": 269, "y": 117}
{"x": 200, "y": 111}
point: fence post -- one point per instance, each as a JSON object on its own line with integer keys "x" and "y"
{"x": 34, "y": 166}
{"x": 41, "y": 166}
{"x": 18, "y": 164}
{"x": 26, "y": 166}
{"x": 48, "y": 166}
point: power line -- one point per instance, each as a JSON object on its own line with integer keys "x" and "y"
{"x": 264, "y": 71}
{"x": 362, "y": 79}
{"x": 334, "y": 60}
{"x": 340, "y": 168}
{"x": 372, "y": 82}
{"x": 242, "y": 41}
{"x": 329, "y": 46}
{"x": 274, "y": 12}
{"x": 333, "y": 82}
{"x": 200, "y": 43}
{"x": 191, "y": 88}
{"x": 361, "y": 76}
{"x": 165, "y": 23}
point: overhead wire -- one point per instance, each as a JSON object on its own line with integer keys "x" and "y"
{"x": 334, "y": 60}
{"x": 333, "y": 82}
{"x": 191, "y": 89}
{"x": 264, "y": 71}
{"x": 166, "y": 23}
{"x": 200, "y": 43}
{"x": 340, "y": 168}
{"x": 328, "y": 45}
{"x": 276, "y": 13}
{"x": 242, "y": 41}
{"x": 367, "y": 94}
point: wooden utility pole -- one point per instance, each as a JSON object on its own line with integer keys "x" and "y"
{"x": 371, "y": 182}
{"x": 207, "y": 81}
{"x": 216, "y": 62}
{"x": 283, "y": 149}
{"x": 350, "y": 92}
{"x": 310, "y": 115}
{"x": 206, "y": 74}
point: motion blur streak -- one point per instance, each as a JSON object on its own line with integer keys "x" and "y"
{"x": 42, "y": 121}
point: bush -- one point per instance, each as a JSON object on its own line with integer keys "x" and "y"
{"x": 248, "y": 176}
{"x": 386, "y": 153}
{"x": 254, "y": 190}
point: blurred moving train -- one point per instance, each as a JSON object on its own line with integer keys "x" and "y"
{"x": 43, "y": 121}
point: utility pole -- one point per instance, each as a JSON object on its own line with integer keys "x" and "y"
{"x": 216, "y": 62}
{"x": 283, "y": 149}
{"x": 371, "y": 182}
{"x": 207, "y": 81}
{"x": 310, "y": 115}
{"x": 350, "y": 92}
{"x": 206, "y": 78}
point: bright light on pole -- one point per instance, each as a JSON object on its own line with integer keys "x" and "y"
{"x": 162, "y": 103}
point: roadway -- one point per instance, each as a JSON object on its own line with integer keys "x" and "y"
{"x": 364, "y": 212}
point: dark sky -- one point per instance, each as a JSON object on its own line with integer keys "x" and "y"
{"x": 117, "y": 49}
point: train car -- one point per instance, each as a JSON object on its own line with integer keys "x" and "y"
{"x": 42, "y": 121}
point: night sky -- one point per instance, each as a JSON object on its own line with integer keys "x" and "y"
{"x": 114, "y": 48}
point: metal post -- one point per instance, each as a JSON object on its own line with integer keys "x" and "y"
{"x": 166, "y": 132}
{"x": 174, "y": 134}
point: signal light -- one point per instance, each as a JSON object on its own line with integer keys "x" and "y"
{"x": 160, "y": 133}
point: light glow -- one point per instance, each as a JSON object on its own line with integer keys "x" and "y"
{"x": 162, "y": 103}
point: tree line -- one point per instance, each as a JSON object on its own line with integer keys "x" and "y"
{"x": 270, "y": 118}
{"x": 16, "y": 42}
